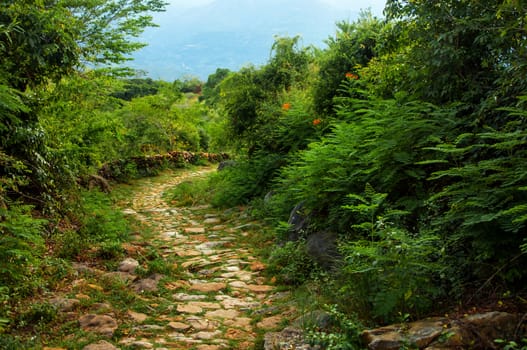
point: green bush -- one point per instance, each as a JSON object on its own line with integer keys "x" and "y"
{"x": 344, "y": 334}
{"x": 100, "y": 221}
{"x": 291, "y": 263}
{"x": 21, "y": 247}
{"x": 189, "y": 193}
{"x": 245, "y": 180}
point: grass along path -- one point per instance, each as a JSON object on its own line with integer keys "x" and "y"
{"x": 201, "y": 287}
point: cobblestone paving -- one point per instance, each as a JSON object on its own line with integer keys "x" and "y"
{"x": 220, "y": 300}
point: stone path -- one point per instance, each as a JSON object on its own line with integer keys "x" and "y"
{"x": 220, "y": 299}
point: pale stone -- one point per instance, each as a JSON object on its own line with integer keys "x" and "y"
{"x": 188, "y": 297}
{"x": 238, "y": 334}
{"x": 137, "y": 316}
{"x": 257, "y": 266}
{"x": 205, "y": 305}
{"x": 232, "y": 269}
{"x": 189, "y": 309}
{"x": 194, "y": 230}
{"x": 239, "y": 322}
{"x": 233, "y": 303}
{"x": 142, "y": 344}
{"x": 206, "y": 335}
{"x": 149, "y": 328}
{"x": 238, "y": 284}
{"x": 257, "y": 288}
{"x": 212, "y": 221}
{"x": 209, "y": 287}
{"x": 202, "y": 324}
{"x": 229, "y": 314}
{"x": 179, "y": 326}
{"x": 208, "y": 347}
{"x": 270, "y": 322}
{"x": 188, "y": 252}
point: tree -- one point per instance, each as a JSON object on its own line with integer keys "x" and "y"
{"x": 44, "y": 41}
{"x": 352, "y": 48}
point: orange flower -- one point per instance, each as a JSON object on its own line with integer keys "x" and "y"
{"x": 286, "y": 106}
{"x": 350, "y": 75}
{"x": 316, "y": 121}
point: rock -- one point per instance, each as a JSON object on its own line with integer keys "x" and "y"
{"x": 322, "y": 248}
{"x": 474, "y": 331}
{"x": 101, "y": 308}
{"x": 142, "y": 344}
{"x": 257, "y": 288}
{"x": 179, "y": 326}
{"x": 101, "y": 324}
{"x": 137, "y": 316}
{"x": 201, "y": 324}
{"x": 239, "y": 322}
{"x": 493, "y": 325}
{"x": 100, "y": 345}
{"x": 229, "y": 314}
{"x": 189, "y": 309}
{"x": 209, "y": 347}
{"x": 150, "y": 328}
{"x": 188, "y": 297}
{"x": 207, "y": 335}
{"x": 416, "y": 334}
{"x": 298, "y": 221}
{"x": 64, "y": 304}
{"x": 194, "y": 230}
{"x": 289, "y": 338}
{"x": 257, "y": 266}
{"x": 270, "y": 322}
{"x": 128, "y": 265}
{"x": 208, "y": 287}
{"x": 149, "y": 284}
{"x": 212, "y": 221}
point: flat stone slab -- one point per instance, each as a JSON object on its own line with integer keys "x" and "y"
{"x": 202, "y": 324}
{"x": 229, "y": 314}
{"x": 189, "y": 309}
{"x": 208, "y": 287}
{"x": 270, "y": 322}
{"x": 194, "y": 230}
{"x": 188, "y": 297}
{"x": 179, "y": 326}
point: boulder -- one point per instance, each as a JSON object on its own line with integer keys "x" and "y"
{"x": 322, "y": 248}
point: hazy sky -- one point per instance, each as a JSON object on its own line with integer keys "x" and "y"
{"x": 376, "y": 5}
{"x": 195, "y": 37}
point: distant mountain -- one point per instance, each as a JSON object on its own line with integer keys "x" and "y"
{"x": 230, "y": 34}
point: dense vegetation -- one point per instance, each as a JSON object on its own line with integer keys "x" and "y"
{"x": 401, "y": 145}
